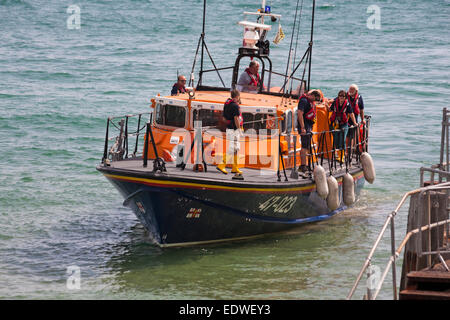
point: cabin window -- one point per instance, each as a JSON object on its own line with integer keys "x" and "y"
{"x": 283, "y": 125}
{"x": 209, "y": 118}
{"x": 288, "y": 122}
{"x": 265, "y": 121}
{"x": 170, "y": 115}
{"x": 295, "y": 119}
{"x": 248, "y": 117}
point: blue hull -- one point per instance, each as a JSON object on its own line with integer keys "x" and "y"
{"x": 189, "y": 212}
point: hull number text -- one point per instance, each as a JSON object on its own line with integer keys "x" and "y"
{"x": 278, "y": 204}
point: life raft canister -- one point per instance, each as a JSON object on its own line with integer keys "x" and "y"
{"x": 354, "y": 104}
{"x": 339, "y": 114}
{"x": 311, "y": 114}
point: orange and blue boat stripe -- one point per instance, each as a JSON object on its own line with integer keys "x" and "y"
{"x": 203, "y": 186}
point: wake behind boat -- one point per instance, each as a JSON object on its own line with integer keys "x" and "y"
{"x": 163, "y": 162}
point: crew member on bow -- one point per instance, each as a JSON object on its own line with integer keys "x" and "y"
{"x": 179, "y": 86}
{"x": 233, "y": 118}
{"x": 342, "y": 112}
{"x": 249, "y": 80}
{"x": 306, "y": 116}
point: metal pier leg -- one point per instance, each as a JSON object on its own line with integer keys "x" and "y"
{"x": 394, "y": 258}
{"x": 443, "y": 135}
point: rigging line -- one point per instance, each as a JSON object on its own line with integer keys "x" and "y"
{"x": 191, "y": 82}
{"x": 292, "y": 39}
{"x": 296, "y": 41}
{"x": 311, "y": 42}
{"x": 293, "y": 72}
{"x": 203, "y": 43}
{"x": 304, "y": 70}
{"x": 218, "y": 73}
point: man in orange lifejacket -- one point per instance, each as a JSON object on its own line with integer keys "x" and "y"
{"x": 179, "y": 86}
{"x": 356, "y": 101}
{"x": 249, "y": 80}
{"x": 357, "y": 104}
{"x": 342, "y": 113}
{"x": 306, "y": 116}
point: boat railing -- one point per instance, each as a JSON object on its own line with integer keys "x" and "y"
{"x": 433, "y": 195}
{"x": 137, "y": 128}
{"x": 127, "y": 128}
{"x": 325, "y": 147}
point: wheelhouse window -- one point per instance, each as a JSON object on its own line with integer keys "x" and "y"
{"x": 248, "y": 119}
{"x": 288, "y": 122}
{"x": 262, "y": 121}
{"x": 209, "y": 118}
{"x": 295, "y": 119}
{"x": 170, "y": 115}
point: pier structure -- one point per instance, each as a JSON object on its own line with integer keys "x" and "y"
{"x": 425, "y": 271}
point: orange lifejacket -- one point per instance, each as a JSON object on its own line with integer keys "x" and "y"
{"x": 180, "y": 89}
{"x": 254, "y": 80}
{"x": 241, "y": 120}
{"x": 354, "y": 104}
{"x": 311, "y": 114}
{"x": 339, "y": 113}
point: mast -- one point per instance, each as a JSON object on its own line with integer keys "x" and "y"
{"x": 311, "y": 44}
{"x": 203, "y": 41}
{"x": 263, "y": 6}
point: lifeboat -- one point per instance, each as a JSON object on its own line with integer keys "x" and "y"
{"x": 163, "y": 162}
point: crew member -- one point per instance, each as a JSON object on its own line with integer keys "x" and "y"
{"x": 306, "y": 118}
{"x": 179, "y": 86}
{"x": 357, "y": 104}
{"x": 342, "y": 112}
{"x": 232, "y": 115}
{"x": 249, "y": 80}
{"x": 356, "y": 101}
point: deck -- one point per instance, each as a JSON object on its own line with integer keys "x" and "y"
{"x": 251, "y": 176}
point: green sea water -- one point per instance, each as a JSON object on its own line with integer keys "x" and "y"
{"x": 58, "y": 86}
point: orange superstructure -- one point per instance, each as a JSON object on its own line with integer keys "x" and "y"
{"x": 270, "y": 122}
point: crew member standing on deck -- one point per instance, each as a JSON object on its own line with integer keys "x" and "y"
{"x": 179, "y": 86}
{"x": 306, "y": 118}
{"x": 356, "y": 101}
{"x": 357, "y": 104}
{"x": 233, "y": 118}
{"x": 342, "y": 113}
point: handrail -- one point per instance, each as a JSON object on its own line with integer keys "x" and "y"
{"x": 321, "y": 150}
{"x": 395, "y": 253}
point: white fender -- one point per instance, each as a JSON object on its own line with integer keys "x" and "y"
{"x": 368, "y": 167}
{"x": 321, "y": 181}
{"x": 348, "y": 187}
{"x": 333, "y": 193}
